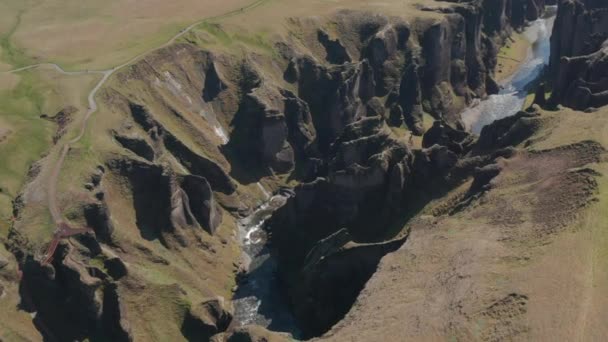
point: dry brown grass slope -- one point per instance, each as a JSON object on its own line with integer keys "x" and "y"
{"x": 526, "y": 261}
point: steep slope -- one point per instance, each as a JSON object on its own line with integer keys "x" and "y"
{"x": 489, "y": 263}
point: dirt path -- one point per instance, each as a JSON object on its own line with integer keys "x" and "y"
{"x": 63, "y": 229}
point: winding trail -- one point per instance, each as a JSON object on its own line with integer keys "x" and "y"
{"x": 63, "y": 229}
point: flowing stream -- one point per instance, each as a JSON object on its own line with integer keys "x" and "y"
{"x": 515, "y": 89}
{"x": 258, "y": 299}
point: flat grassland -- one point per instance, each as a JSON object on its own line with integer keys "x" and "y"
{"x": 95, "y": 34}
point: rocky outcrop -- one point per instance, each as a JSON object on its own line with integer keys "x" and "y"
{"x": 175, "y": 209}
{"x": 261, "y": 129}
{"x": 63, "y": 118}
{"x": 457, "y": 141}
{"x": 202, "y": 202}
{"x": 251, "y": 333}
{"x": 509, "y": 131}
{"x": 207, "y": 318}
{"x": 96, "y": 212}
{"x": 135, "y": 144}
{"x": 579, "y": 55}
{"x": 334, "y": 272}
{"x": 368, "y": 168}
{"x": 71, "y": 301}
{"x": 193, "y": 161}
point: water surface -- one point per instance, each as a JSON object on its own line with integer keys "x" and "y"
{"x": 515, "y": 89}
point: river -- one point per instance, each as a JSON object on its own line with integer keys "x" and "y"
{"x": 515, "y": 89}
{"x": 258, "y": 299}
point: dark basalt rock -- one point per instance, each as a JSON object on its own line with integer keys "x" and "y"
{"x": 301, "y": 130}
{"x": 336, "y": 96}
{"x": 273, "y": 130}
{"x": 199, "y": 165}
{"x": 213, "y": 84}
{"x": 483, "y": 177}
{"x": 363, "y": 163}
{"x": 508, "y": 131}
{"x": 97, "y": 216}
{"x": 208, "y": 318}
{"x": 432, "y": 163}
{"x": 115, "y": 324}
{"x": 336, "y": 53}
{"x": 70, "y": 301}
{"x": 383, "y": 52}
{"x": 139, "y": 146}
{"x": 194, "y": 162}
{"x": 63, "y": 118}
{"x": 202, "y": 202}
{"x": 410, "y": 99}
{"x": 457, "y": 141}
{"x": 334, "y": 272}
{"x": 175, "y": 209}
{"x": 579, "y": 55}
{"x": 116, "y": 267}
{"x": 152, "y": 204}
{"x": 374, "y": 107}
{"x": 539, "y": 96}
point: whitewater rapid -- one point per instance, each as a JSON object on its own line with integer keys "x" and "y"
{"x": 258, "y": 299}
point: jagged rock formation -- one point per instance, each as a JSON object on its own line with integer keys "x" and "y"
{"x": 579, "y": 55}
{"x": 373, "y": 180}
{"x": 72, "y": 301}
{"x": 207, "y": 319}
{"x": 175, "y": 208}
{"x": 334, "y": 272}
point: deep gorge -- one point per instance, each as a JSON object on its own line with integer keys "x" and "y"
{"x": 352, "y": 122}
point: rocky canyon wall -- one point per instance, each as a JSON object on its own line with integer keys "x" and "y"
{"x": 579, "y": 54}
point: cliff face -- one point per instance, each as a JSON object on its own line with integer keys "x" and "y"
{"x": 370, "y": 181}
{"x": 579, "y": 55}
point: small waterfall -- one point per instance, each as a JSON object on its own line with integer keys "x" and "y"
{"x": 209, "y": 115}
{"x": 267, "y": 195}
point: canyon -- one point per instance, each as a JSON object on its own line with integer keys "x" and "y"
{"x": 355, "y": 176}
